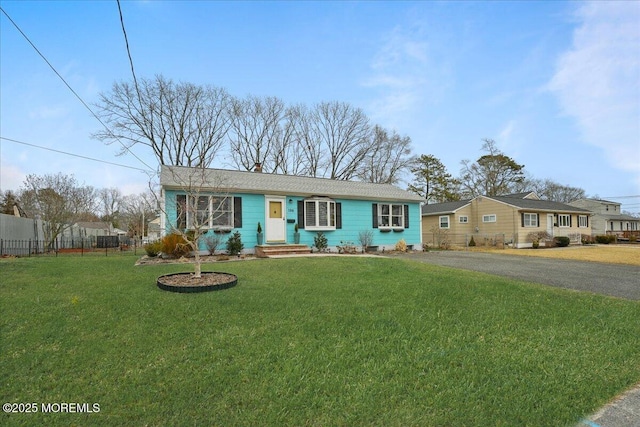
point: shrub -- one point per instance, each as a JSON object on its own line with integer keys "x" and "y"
{"x": 562, "y": 241}
{"x": 365, "y": 237}
{"x": 346, "y": 248}
{"x": 153, "y": 249}
{"x": 633, "y": 238}
{"x": 320, "y": 242}
{"x": 538, "y": 236}
{"x": 587, "y": 239}
{"x": 472, "y": 242}
{"x": 212, "y": 243}
{"x": 605, "y": 239}
{"x": 401, "y": 246}
{"x": 234, "y": 244}
{"x": 175, "y": 245}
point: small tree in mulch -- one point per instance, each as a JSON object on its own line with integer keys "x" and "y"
{"x": 320, "y": 242}
{"x": 234, "y": 244}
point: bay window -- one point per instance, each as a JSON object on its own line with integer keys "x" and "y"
{"x": 319, "y": 214}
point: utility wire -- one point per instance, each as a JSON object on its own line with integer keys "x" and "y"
{"x": 74, "y": 155}
{"x": 71, "y": 89}
{"x": 126, "y": 42}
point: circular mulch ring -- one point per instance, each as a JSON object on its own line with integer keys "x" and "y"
{"x": 188, "y": 283}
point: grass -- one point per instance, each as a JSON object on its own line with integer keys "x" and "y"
{"x": 611, "y": 254}
{"x": 307, "y": 341}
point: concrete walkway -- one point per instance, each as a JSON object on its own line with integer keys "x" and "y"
{"x": 623, "y": 411}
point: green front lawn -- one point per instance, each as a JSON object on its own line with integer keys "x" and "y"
{"x": 307, "y": 341}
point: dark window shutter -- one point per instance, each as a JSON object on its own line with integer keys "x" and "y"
{"x": 587, "y": 220}
{"x": 406, "y": 216}
{"x": 522, "y": 219}
{"x": 375, "y": 215}
{"x": 237, "y": 212}
{"x": 538, "y": 219}
{"x": 338, "y": 215}
{"x": 570, "y": 217}
{"x": 300, "y": 214}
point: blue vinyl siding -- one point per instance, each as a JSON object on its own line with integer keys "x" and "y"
{"x": 356, "y": 217}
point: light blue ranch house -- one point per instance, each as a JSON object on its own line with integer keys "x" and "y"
{"x": 226, "y": 201}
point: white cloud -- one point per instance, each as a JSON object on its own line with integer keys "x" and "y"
{"x": 11, "y": 177}
{"x": 598, "y": 80}
{"x": 404, "y": 75}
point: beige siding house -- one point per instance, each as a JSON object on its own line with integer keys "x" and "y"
{"x": 500, "y": 220}
{"x": 608, "y": 219}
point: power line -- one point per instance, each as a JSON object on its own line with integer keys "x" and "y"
{"x": 74, "y": 155}
{"x": 71, "y": 89}
{"x": 126, "y": 42}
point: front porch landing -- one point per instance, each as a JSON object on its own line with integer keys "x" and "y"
{"x": 264, "y": 251}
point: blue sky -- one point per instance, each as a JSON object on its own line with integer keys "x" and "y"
{"x": 555, "y": 84}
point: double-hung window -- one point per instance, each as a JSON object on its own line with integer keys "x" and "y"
{"x": 530, "y": 219}
{"x": 564, "y": 220}
{"x": 202, "y": 212}
{"x": 222, "y": 212}
{"x": 319, "y": 214}
{"x": 390, "y": 216}
{"x": 583, "y": 221}
{"x": 444, "y": 221}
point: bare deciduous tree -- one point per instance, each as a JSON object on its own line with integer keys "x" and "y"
{"x": 255, "y": 124}
{"x": 288, "y": 153}
{"x": 137, "y": 211}
{"x": 58, "y": 200}
{"x": 344, "y": 135}
{"x": 182, "y": 123}
{"x": 200, "y": 201}
{"x": 110, "y": 205}
{"x": 388, "y": 157}
{"x": 548, "y": 189}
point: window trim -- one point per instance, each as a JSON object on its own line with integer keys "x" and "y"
{"x": 332, "y": 215}
{"x": 490, "y": 218}
{"x": 564, "y": 220}
{"x": 583, "y": 221}
{"x": 184, "y": 212}
{"x": 465, "y": 217}
{"x": 440, "y": 222}
{"x": 391, "y": 216}
{"x": 531, "y": 218}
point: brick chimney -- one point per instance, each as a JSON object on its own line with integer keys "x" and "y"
{"x": 258, "y": 167}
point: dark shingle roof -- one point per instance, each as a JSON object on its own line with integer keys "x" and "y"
{"x": 538, "y": 205}
{"x": 444, "y": 208}
{"x": 290, "y": 185}
{"x": 513, "y": 200}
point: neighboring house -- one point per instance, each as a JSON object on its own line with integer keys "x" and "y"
{"x": 154, "y": 230}
{"x": 607, "y": 217}
{"x": 238, "y": 201}
{"x": 96, "y": 228}
{"x": 507, "y": 219}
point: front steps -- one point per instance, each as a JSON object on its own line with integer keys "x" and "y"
{"x": 264, "y": 251}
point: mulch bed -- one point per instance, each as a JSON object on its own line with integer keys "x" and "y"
{"x": 206, "y": 279}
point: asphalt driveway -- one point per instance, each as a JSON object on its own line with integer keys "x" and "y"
{"x": 622, "y": 281}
